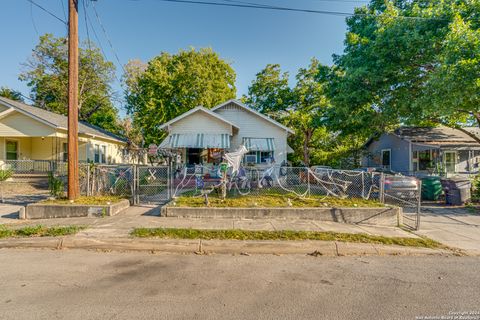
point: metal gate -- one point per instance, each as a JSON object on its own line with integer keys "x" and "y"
{"x": 409, "y": 201}
{"x": 152, "y": 184}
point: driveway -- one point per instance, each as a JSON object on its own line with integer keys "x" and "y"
{"x": 452, "y": 226}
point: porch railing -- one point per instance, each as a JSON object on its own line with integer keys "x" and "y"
{"x": 35, "y": 166}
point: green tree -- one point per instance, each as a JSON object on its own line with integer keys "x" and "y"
{"x": 172, "y": 84}
{"x": 270, "y": 92}
{"x": 300, "y": 108}
{"x": 11, "y": 94}
{"x": 411, "y": 62}
{"x": 46, "y": 73}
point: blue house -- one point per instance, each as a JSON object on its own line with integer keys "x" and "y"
{"x": 426, "y": 150}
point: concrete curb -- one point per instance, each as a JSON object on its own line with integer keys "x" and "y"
{"x": 323, "y": 248}
{"x": 52, "y": 211}
{"x": 386, "y": 216}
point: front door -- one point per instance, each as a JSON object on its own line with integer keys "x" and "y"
{"x": 12, "y": 150}
{"x": 193, "y": 156}
{"x": 450, "y": 161}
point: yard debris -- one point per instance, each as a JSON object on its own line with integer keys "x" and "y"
{"x": 315, "y": 253}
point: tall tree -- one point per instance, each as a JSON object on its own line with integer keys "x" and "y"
{"x": 408, "y": 62}
{"x": 46, "y": 73}
{"x": 172, "y": 84}
{"x": 270, "y": 92}
{"x": 11, "y": 94}
{"x": 301, "y": 107}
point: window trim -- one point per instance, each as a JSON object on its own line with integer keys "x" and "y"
{"x": 17, "y": 141}
{"x": 389, "y": 150}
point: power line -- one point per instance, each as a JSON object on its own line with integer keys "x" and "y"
{"x": 106, "y": 36}
{"x": 47, "y": 11}
{"x": 237, "y": 4}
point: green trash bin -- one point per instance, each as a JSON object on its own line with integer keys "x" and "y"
{"x": 431, "y": 188}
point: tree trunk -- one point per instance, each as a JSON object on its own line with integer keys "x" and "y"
{"x": 306, "y": 150}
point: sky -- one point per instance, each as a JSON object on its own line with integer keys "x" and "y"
{"x": 247, "y": 38}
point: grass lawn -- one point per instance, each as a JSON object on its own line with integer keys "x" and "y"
{"x": 39, "y": 231}
{"x": 93, "y": 200}
{"x": 172, "y": 233}
{"x": 272, "y": 200}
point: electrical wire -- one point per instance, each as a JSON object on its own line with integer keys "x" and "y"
{"x": 250, "y": 5}
{"x": 47, "y": 11}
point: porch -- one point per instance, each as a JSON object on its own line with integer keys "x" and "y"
{"x": 441, "y": 160}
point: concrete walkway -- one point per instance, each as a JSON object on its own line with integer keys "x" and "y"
{"x": 119, "y": 226}
{"x": 452, "y": 226}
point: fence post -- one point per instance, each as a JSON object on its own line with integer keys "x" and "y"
{"x": 382, "y": 187}
{"x": 134, "y": 184}
{"x": 88, "y": 179}
{"x": 419, "y": 204}
{"x": 308, "y": 181}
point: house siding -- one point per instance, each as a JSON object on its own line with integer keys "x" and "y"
{"x": 20, "y": 125}
{"x": 200, "y": 122}
{"x": 400, "y": 153}
{"x": 253, "y": 126}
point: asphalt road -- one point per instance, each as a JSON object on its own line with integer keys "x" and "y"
{"x": 45, "y": 284}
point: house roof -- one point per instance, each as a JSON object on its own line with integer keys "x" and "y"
{"x": 437, "y": 135}
{"x": 194, "y": 110}
{"x": 238, "y": 103}
{"x": 58, "y": 121}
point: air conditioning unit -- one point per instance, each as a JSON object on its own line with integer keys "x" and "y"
{"x": 251, "y": 158}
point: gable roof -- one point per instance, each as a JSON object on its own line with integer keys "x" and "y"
{"x": 438, "y": 135}
{"x": 261, "y": 115}
{"x": 194, "y": 110}
{"x": 58, "y": 121}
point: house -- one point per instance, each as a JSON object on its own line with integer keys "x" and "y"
{"x": 33, "y": 139}
{"x": 426, "y": 150}
{"x": 203, "y": 135}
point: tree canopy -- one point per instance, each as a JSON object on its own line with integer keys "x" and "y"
{"x": 11, "y": 94}
{"x": 46, "y": 73}
{"x": 408, "y": 62}
{"x": 300, "y": 107}
{"x": 171, "y": 84}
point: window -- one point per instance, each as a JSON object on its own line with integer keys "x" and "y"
{"x": 65, "y": 152}
{"x": 251, "y": 157}
{"x": 96, "y": 153}
{"x": 258, "y": 157}
{"x": 425, "y": 160}
{"x": 12, "y": 150}
{"x": 103, "y": 154}
{"x": 451, "y": 161}
{"x": 386, "y": 158}
{"x": 266, "y": 156}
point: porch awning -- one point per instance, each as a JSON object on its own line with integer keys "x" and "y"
{"x": 259, "y": 144}
{"x": 196, "y": 140}
{"x": 446, "y": 146}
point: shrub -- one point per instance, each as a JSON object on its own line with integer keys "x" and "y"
{"x": 55, "y": 185}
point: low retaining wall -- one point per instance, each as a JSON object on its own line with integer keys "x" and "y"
{"x": 390, "y": 216}
{"x": 48, "y": 211}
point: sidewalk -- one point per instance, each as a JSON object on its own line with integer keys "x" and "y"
{"x": 112, "y": 233}
{"x": 452, "y": 226}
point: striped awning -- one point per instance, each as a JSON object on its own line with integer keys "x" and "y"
{"x": 196, "y": 140}
{"x": 259, "y": 144}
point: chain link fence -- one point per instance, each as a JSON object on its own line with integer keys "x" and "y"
{"x": 159, "y": 184}
{"x": 298, "y": 181}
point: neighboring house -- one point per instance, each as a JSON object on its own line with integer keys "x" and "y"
{"x": 421, "y": 150}
{"x": 32, "y": 139}
{"x": 202, "y": 135}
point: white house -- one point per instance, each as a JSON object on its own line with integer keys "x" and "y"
{"x": 202, "y": 135}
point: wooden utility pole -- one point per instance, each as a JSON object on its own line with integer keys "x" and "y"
{"x": 73, "y": 184}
